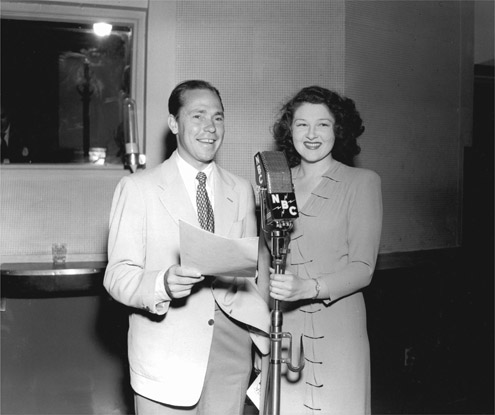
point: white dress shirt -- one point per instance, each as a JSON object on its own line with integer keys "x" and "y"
{"x": 188, "y": 174}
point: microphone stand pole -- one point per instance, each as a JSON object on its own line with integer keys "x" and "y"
{"x": 276, "y": 328}
{"x": 279, "y": 242}
{"x": 278, "y": 211}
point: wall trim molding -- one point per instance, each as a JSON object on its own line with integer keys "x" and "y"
{"x": 411, "y": 259}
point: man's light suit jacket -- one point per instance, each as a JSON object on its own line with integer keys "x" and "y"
{"x": 169, "y": 341}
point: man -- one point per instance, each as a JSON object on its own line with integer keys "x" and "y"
{"x": 190, "y": 336}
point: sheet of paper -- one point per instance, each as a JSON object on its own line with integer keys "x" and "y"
{"x": 216, "y": 255}
{"x": 254, "y": 392}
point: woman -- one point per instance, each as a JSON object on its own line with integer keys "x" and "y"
{"x": 333, "y": 250}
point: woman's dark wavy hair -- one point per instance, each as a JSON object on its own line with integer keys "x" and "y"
{"x": 348, "y": 124}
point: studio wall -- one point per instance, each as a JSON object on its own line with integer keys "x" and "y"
{"x": 405, "y": 66}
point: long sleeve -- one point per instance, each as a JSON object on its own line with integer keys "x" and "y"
{"x": 126, "y": 278}
{"x": 364, "y": 223}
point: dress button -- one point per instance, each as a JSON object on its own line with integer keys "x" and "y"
{"x": 211, "y": 322}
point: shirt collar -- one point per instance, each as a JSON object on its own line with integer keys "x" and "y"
{"x": 189, "y": 172}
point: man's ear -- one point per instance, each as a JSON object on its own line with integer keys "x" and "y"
{"x": 172, "y": 124}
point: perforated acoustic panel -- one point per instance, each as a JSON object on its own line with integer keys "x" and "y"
{"x": 258, "y": 54}
{"x": 69, "y": 206}
{"x": 403, "y": 66}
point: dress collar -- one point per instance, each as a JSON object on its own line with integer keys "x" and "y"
{"x": 335, "y": 172}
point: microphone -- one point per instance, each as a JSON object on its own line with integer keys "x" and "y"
{"x": 278, "y": 212}
{"x": 278, "y": 201}
{"x": 132, "y": 157}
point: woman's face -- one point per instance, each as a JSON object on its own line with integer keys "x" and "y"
{"x": 312, "y": 132}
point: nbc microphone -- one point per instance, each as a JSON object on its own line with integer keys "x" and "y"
{"x": 277, "y": 198}
{"x": 278, "y": 212}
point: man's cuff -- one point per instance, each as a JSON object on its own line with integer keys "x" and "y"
{"x": 161, "y": 294}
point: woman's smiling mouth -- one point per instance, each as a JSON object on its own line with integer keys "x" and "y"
{"x": 312, "y": 146}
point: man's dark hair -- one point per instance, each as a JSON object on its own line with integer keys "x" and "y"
{"x": 175, "y": 102}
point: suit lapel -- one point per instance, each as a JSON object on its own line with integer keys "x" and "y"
{"x": 174, "y": 197}
{"x": 226, "y": 201}
{"x": 173, "y": 194}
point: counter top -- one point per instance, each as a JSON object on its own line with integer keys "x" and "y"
{"x": 45, "y": 279}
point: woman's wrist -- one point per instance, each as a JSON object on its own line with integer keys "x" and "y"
{"x": 317, "y": 288}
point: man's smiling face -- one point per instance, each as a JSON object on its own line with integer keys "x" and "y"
{"x": 199, "y": 127}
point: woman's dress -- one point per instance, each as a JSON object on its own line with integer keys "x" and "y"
{"x": 340, "y": 223}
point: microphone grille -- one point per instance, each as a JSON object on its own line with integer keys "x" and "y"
{"x": 278, "y": 175}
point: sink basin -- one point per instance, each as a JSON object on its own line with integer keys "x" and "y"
{"x": 41, "y": 279}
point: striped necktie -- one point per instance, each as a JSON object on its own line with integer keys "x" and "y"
{"x": 205, "y": 211}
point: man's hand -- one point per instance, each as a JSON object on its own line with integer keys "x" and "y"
{"x": 179, "y": 281}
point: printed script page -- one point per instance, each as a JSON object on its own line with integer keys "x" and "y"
{"x": 216, "y": 255}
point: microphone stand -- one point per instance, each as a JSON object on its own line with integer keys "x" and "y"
{"x": 279, "y": 244}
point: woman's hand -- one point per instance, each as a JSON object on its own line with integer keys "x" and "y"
{"x": 289, "y": 287}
